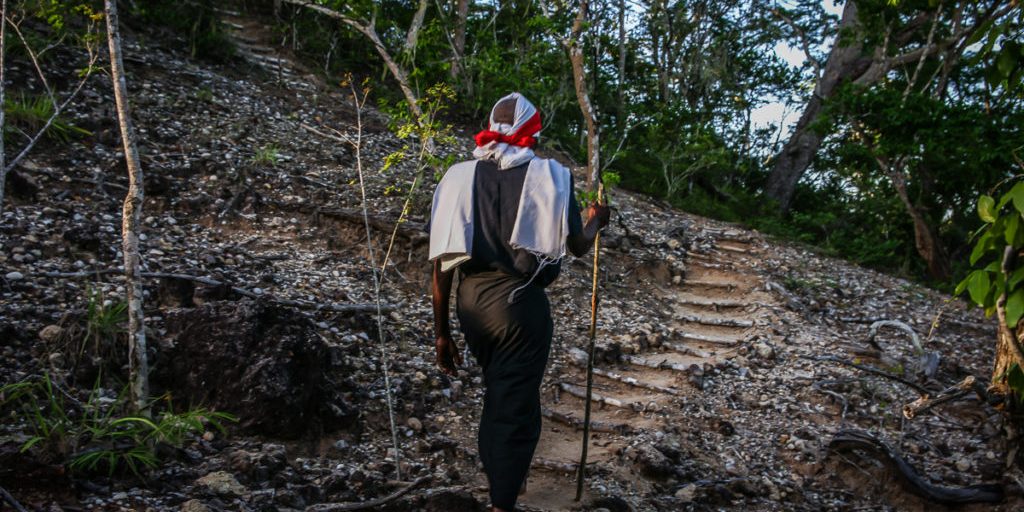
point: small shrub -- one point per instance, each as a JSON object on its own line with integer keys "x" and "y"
{"x": 97, "y": 433}
{"x": 27, "y": 115}
{"x": 104, "y": 323}
{"x": 204, "y": 94}
{"x": 267, "y": 155}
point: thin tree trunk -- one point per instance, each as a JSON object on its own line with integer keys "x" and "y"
{"x": 3, "y": 161}
{"x": 579, "y": 78}
{"x": 925, "y": 240}
{"x": 459, "y": 46}
{"x": 622, "y": 60}
{"x": 138, "y": 366}
{"x": 413, "y": 34}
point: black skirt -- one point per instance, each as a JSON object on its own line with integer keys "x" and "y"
{"x": 511, "y": 341}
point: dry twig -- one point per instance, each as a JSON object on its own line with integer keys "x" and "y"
{"x": 339, "y": 507}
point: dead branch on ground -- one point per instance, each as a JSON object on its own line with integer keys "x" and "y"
{"x": 870, "y": 369}
{"x": 209, "y": 281}
{"x": 947, "y": 395}
{"x": 339, "y": 507}
{"x": 848, "y": 440}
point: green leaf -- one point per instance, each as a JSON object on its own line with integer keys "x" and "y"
{"x": 978, "y": 287}
{"x": 1015, "y": 379}
{"x": 980, "y": 248}
{"x": 1015, "y": 278}
{"x": 980, "y": 33}
{"x": 1006, "y": 61}
{"x": 1016, "y": 194}
{"x": 987, "y": 208}
{"x": 1012, "y": 223}
{"x": 962, "y": 285}
{"x": 1014, "y": 308}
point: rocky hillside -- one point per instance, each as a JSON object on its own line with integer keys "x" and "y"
{"x": 733, "y": 370}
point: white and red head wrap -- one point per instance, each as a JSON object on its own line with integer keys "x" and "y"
{"x": 510, "y": 143}
{"x": 521, "y": 132}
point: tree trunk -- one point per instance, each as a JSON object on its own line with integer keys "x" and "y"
{"x": 579, "y": 78}
{"x": 925, "y": 240}
{"x": 459, "y": 45}
{"x": 798, "y": 152}
{"x": 1009, "y": 339}
{"x": 412, "y": 36}
{"x": 622, "y": 61}
{"x": 138, "y": 366}
{"x": 3, "y": 161}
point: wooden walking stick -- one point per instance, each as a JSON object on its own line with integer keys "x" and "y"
{"x": 581, "y": 471}
{"x": 579, "y": 78}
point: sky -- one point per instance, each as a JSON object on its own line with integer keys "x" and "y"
{"x": 775, "y": 114}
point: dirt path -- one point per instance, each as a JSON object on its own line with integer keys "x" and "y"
{"x": 717, "y": 307}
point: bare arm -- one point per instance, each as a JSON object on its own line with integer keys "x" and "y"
{"x": 598, "y": 216}
{"x": 448, "y": 357}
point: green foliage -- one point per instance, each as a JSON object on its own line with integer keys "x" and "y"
{"x": 27, "y": 115}
{"x": 428, "y": 128}
{"x": 1015, "y": 380}
{"x": 266, "y": 155}
{"x": 104, "y": 323}
{"x": 97, "y": 433}
{"x": 1002, "y": 229}
{"x": 204, "y": 94}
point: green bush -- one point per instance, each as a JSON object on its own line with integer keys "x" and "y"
{"x": 27, "y": 115}
{"x": 97, "y": 433}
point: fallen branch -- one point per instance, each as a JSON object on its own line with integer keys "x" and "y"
{"x": 717, "y": 322}
{"x": 870, "y": 369}
{"x": 11, "y": 501}
{"x": 947, "y": 395}
{"x": 337, "y": 138}
{"x": 715, "y": 304}
{"x": 847, "y": 440}
{"x": 899, "y": 325}
{"x": 836, "y": 396}
{"x": 300, "y": 304}
{"x": 334, "y": 507}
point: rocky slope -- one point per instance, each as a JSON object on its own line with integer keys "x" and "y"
{"x": 716, "y": 384}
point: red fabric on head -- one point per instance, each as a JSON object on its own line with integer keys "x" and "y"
{"x": 523, "y": 137}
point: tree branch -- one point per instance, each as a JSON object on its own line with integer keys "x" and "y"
{"x": 804, "y": 43}
{"x": 870, "y": 369}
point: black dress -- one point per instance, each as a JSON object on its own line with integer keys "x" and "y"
{"x": 510, "y": 340}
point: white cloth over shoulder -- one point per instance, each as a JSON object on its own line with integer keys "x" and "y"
{"x": 451, "y": 216}
{"x": 542, "y": 222}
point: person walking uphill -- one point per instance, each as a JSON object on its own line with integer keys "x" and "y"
{"x": 504, "y": 221}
